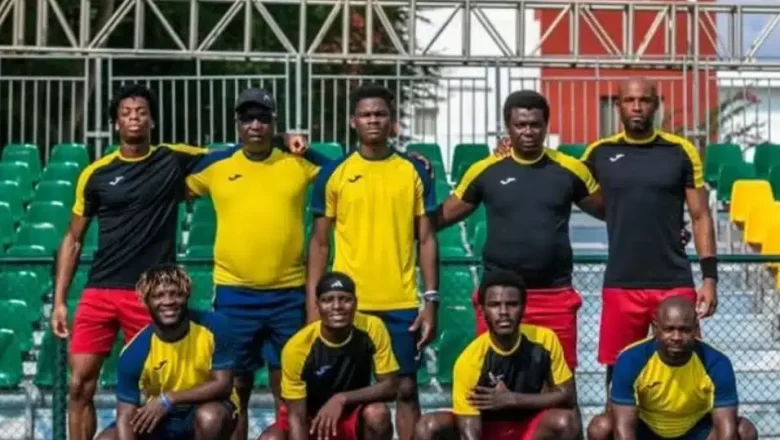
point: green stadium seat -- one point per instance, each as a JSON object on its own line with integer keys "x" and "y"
{"x": 23, "y": 285}
{"x": 205, "y": 305}
{"x": 332, "y": 150}
{"x": 219, "y": 145}
{"x": 46, "y": 362}
{"x": 90, "y": 241}
{"x": 465, "y": 155}
{"x": 110, "y": 149}
{"x": 202, "y": 285}
{"x": 11, "y": 196}
{"x": 449, "y": 346}
{"x": 261, "y": 378}
{"x": 55, "y": 191}
{"x": 203, "y": 212}
{"x": 199, "y": 251}
{"x": 573, "y": 150}
{"x": 43, "y": 271}
{"x": 18, "y": 172}
{"x": 717, "y": 155}
{"x": 73, "y": 153}
{"x": 458, "y": 282}
{"x": 202, "y": 234}
{"x": 31, "y": 157}
{"x": 42, "y": 235}
{"x": 6, "y": 225}
{"x": 77, "y": 284}
{"x": 730, "y": 173}
{"x": 17, "y": 318}
{"x": 766, "y": 156}
{"x": 65, "y": 171}
{"x": 108, "y": 374}
{"x": 450, "y": 236}
{"x": 478, "y": 217}
{"x": 479, "y": 239}
{"x": 452, "y": 251}
{"x": 54, "y": 213}
{"x": 774, "y": 180}
{"x": 431, "y": 151}
{"x": 13, "y": 148}
{"x": 10, "y": 360}
{"x": 443, "y": 191}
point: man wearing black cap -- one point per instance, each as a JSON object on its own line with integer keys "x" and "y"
{"x": 327, "y": 368}
{"x": 259, "y": 194}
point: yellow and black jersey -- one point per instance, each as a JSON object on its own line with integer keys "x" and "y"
{"x": 534, "y": 362}
{"x": 672, "y": 400}
{"x": 644, "y": 183}
{"x": 150, "y": 366}
{"x": 528, "y": 206}
{"x": 135, "y": 202}
{"x": 315, "y": 369}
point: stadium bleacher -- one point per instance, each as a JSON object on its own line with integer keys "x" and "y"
{"x": 35, "y": 200}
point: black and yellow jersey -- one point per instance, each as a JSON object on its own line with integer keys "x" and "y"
{"x": 315, "y": 369}
{"x": 644, "y": 183}
{"x": 672, "y": 400}
{"x": 150, "y": 366}
{"x": 534, "y": 362}
{"x": 528, "y": 206}
{"x": 135, "y": 202}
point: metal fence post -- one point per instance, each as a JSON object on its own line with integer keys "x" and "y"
{"x": 59, "y": 394}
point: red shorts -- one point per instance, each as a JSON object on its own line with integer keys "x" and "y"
{"x": 99, "y": 316}
{"x": 347, "y": 426}
{"x": 555, "y": 309}
{"x": 626, "y": 315}
{"x": 525, "y": 430}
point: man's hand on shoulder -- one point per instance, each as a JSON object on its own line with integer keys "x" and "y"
{"x": 503, "y": 147}
{"x": 295, "y": 143}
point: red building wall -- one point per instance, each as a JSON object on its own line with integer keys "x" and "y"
{"x": 580, "y": 96}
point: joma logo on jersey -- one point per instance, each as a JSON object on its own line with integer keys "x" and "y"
{"x": 159, "y": 366}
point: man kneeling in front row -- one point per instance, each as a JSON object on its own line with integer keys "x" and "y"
{"x": 673, "y": 386}
{"x": 326, "y": 372}
{"x": 175, "y": 379}
{"x": 511, "y": 383}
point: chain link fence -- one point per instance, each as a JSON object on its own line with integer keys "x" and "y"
{"x": 33, "y": 368}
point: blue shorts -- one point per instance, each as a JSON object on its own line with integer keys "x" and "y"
{"x": 404, "y": 342}
{"x": 700, "y": 431}
{"x": 262, "y": 321}
{"x": 178, "y": 425}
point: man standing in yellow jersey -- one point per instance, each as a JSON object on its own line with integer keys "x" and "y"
{"x": 259, "y": 196}
{"x": 378, "y": 201}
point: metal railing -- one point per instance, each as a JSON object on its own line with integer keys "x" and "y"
{"x": 745, "y": 328}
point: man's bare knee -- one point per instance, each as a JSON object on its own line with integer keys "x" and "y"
{"x": 376, "y": 418}
{"x": 212, "y": 415}
{"x": 600, "y": 427}
{"x": 85, "y": 370}
{"x": 746, "y": 429}
{"x": 273, "y": 433}
{"x": 562, "y": 423}
{"x": 434, "y": 426}
{"x": 407, "y": 389}
{"x": 108, "y": 434}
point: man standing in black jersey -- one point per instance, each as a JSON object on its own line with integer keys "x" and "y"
{"x": 647, "y": 176}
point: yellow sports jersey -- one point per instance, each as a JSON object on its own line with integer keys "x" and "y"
{"x": 260, "y": 216}
{"x": 374, "y": 204}
{"x": 149, "y": 366}
{"x": 534, "y": 362}
{"x": 671, "y": 400}
{"x": 315, "y": 369}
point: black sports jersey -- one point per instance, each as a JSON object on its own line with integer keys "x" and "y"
{"x": 315, "y": 369}
{"x": 528, "y": 206}
{"x": 135, "y": 202}
{"x": 535, "y": 361}
{"x": 644, "y": 184}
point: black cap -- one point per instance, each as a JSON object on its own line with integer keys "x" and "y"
{"x": 333, "y": 281}
{"x": 258, "y": 97}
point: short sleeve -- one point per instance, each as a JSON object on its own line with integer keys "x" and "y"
{"x": 293, "y": 358}
{"x": 201, "y": 174}
{"x": 465, "y": 377}
{"x": 693, "y": 173}
{"x": 721, "y": 373}
{"x": 589, "y": 157}
{"x": 324, "y": 197}
{"x": 187, "y": 155}
{"x": 384, "y": 359}
{"x": 624, "y": 377}
{"x": 310, "y": 169}
{"x": 584, "y": 182}
{"x": 86, "y": 201}
{"x": 224, "y": 355}
{"x": 130, "y": 369}
{"x": 559, "y": 369}
{"x": 471, "y": 187}
{"x": 425, "y": 193}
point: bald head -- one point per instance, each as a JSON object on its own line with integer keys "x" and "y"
{"x": 637, "y": 85}
{"x": 676, "y": 307}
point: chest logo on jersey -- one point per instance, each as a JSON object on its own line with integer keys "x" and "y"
{"x": 507, "y": 181}
{"x": 235, "y": 177}
{"x": 322, "y": 370}
{"x": 616, "y": 157}
{"x": 159, "y": 366}
{"x": 355, "y": 178}
{"x": 116, "y": 180}
{"x": 495, "y": 379}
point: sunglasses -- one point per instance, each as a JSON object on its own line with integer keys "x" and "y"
{"x": 261, "y": 117}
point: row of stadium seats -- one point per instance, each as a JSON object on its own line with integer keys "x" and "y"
{"x": 755, "y": 209}
{"x": 724, "y": 164}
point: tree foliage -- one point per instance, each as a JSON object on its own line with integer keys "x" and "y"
{"x": 184, "y": 117}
